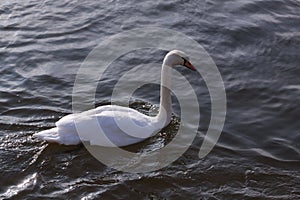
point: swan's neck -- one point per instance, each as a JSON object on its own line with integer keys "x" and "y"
{"x": 165, "y": 107}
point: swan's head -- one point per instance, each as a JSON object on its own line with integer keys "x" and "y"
{"x": 177, "y": 57}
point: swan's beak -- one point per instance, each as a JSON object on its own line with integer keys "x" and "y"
{"x": 189, "y": 65}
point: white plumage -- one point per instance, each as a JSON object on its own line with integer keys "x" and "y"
{"x": 113, "y": 125}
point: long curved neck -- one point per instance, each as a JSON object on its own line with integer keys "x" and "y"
{"x": 165, "y": 107}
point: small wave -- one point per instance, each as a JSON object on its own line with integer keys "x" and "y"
{"x": 28, "y": 183}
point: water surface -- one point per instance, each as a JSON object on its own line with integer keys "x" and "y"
{"x": 255, "y": 45}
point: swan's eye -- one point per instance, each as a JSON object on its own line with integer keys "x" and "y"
{"x": 184, "y": 61}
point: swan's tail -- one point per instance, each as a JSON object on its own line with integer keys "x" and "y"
{"x": 52, "y": 135}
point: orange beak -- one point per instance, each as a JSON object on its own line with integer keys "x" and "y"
{"x": 189, "y": 65}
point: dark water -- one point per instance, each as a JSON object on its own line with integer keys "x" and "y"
{"x": 256, "y": 46}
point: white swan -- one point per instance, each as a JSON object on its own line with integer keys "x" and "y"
{"x": 120, "y": 126}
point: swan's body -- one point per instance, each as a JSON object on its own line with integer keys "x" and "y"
{"x": 120, "y": 126}
{"x": 108, "y": 118}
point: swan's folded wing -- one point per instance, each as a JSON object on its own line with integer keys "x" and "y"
{"x": 109, "y": 127}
